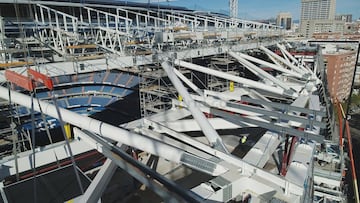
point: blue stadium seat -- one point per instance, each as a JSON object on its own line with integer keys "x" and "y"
{"x": 76, "y": 90}
{"x": 83, "y": 78}
{"x": 22, "y": 111}
{"x": 64, "y": 79}
{"x": 111, "y": 78}
{"x": 58, "y": 92}
{"x": 88, "y": 88}
{"x": 82, "y": 101}
{"x": 135, "y": 81}
{"x": 99, "y": 77}
{"x": 118, "y": 91}
{"x": 62, "y": 103}
{"x": 107, "y": 89}
{"x": 96, "y": 88}
{"x": 102, "y": 101}
{"x": 123, "y": 79}
{"x": 70, "y": 90}
{"x": 113, "y": 99}
{"x": 81, "y": 110}
{"x": 42, "y": 94}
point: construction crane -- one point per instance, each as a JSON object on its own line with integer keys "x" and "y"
{"x": 233, "y": 8}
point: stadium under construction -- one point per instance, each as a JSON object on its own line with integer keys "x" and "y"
{"x": 131, "y": 102}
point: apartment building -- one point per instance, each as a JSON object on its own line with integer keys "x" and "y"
{"x": 340, "y": 64}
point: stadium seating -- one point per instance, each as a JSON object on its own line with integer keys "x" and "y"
{"x": 84, "y": 92}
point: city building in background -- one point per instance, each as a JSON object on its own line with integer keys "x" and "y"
{"x": 344, "y": 17}
{"x": 340, "y": 64}
{"x": 352, "y": 27}
{"x": 318, "y": 9}
{"x": 319, "y": 16}
{"x": 310, "y": 27}
{"x": 284, "y": 20}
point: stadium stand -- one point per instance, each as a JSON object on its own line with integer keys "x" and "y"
{"x": 80, "y": 91}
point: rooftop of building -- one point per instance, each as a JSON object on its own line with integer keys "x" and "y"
{"x": 333, "y": 49}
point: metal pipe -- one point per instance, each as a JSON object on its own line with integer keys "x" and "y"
{"x": 95, "y": 190}
{"x": 271, "y": 65}
{"x": 99, "y": 127}
{"x": 283, "y": 49}
{"x": 117, "y": 157}
{"x": 295, "y": 68}
{"x": 213, "y": 137}
{"x": 263, "y": 74}
{"x": 246, "y": 168}
{"x": 141, "y": 142}
{"x": 188, "y": 82}
{"x": 237, "y": 79}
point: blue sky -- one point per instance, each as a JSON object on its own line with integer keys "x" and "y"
{"x": 260, "y": 9}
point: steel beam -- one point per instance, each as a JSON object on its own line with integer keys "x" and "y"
{"x": 188, "y": 82}
{"x": 112, "y": 132}
{"x": 237, "y": 119}
{"x": 246, "y": 82}
{"x": 273, "y": 66}
{"x": 134, "y": 168}
{"x": 279, "y": 115}
{"x": 208, "y": 130}
{"x": 261, "y": 73}
{"x": 283, "y": 49}
{"x": 283, "y": 107}
{"x": 225, "y": 105}
{"x": 292, "y": 66}
{"x": 98, "y": 185}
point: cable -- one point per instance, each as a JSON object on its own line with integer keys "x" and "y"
{"x": 68, "y": 145}
{"x": 33, "y": 145}
{"x": 44, "y": 120}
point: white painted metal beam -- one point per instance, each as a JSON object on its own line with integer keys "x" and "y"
{"x": 271, "y": 65}
{"x": 286, "y": 53}
{"x": 190, "y": 125}
{"x": 277, "y": 127}
{"x": 237, "y": 94}
{"x": 244, "y": 167}
{"x": 208, "y": 130}
{"x": 103, "y": 177}
{"x": 106, "y": 130}
{"x": 290, "y": 65}
{"x": 246, "y": 82}
{"x": 261, "y": 152}
{"x": 261, "y": 73}
{"x": 98, "y": 185}
{"x": 188, "y": 82}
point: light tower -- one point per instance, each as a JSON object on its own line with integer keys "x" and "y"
{"x": 233, "y": 8}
